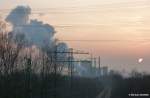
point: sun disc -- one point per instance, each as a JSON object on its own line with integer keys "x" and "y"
{"x": 140, "y": 60}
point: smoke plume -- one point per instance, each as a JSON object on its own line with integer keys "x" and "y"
{"x": 62, "y": 47}
{"x": 36, "y": 32}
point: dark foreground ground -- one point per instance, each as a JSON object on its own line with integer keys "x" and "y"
{"x": 20, "y": 85}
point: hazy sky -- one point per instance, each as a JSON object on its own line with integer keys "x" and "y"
{"x": 121, "y": 25}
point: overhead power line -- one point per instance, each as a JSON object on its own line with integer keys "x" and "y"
{"x": 107, "y": 40}
{"x": 61, "y": 26}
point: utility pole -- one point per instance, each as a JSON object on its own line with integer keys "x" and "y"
{"x": 95, "y": 62}
{"x": 71, "y": 69}
{"x": 55, "y": 72}
{"x": 70, "y": 60}
{"x": 99, "y": 63}
{"x": 28, "y": 77}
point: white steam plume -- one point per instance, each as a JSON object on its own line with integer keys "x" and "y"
{"x": 36, "y": 32}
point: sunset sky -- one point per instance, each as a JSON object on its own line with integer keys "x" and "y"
{"x": 119, "y": 29}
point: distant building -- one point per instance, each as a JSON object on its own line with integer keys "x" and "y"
{"x": 86, "y": 66}
{"x": 104, "y": 71}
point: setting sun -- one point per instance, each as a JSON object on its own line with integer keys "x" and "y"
{"x": 140, "y": 60}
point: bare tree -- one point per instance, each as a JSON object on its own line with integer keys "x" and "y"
{"x": 9, "y": 49}
{"x": 9, "y": 53}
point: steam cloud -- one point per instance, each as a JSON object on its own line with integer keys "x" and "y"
{"x": 62, "y": 47}
{"x": 36, "y": 32}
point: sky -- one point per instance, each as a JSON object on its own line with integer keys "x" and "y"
{"x": 119, "y": 28}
